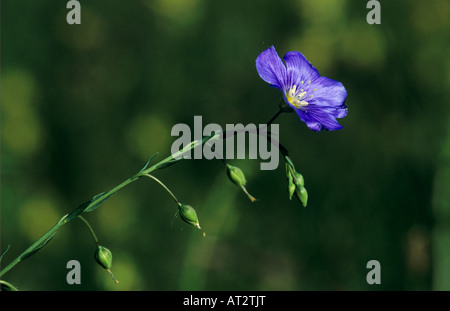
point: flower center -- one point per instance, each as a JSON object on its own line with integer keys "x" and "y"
{"x": 295, "y": 97}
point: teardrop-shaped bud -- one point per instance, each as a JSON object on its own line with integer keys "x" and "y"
{"x": 290, "y": 177}
{"x": 302, "y": 195}
{"x": 237, "y": 176}
{"x": 103, "y": 256}
{"x": 298, "y": 179}
{"x": 188, "y": 214}
{"x": 291, "y": 189}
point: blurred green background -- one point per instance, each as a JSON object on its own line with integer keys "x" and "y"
{"x": 84, "y": 106}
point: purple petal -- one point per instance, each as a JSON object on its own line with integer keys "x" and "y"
{"x": 271, "y": 68}
{"x": 318, "y": 119}
{"x": 299, "y": 69}
{"x": 337, "y": 112}
{"x": 327, "y": 92}
{"x": 312, "y": 123}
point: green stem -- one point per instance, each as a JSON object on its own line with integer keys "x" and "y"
{"x": 99, "y": 199}
{"x": 8, "y": 286}
{"x": 46, "y": 237}
{"x": 164, "y": 186}
{"x": 90, "y": 228}
{"x": 35, "y": 246}
{"x": 274, "y": 117}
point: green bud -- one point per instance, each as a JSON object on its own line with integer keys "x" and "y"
{"x": 296, "y": 182}
{"x": 291, "y": 184}
{"x": 291, "y": 189}
{"x": 188, "y": 214}
{"x": 302, "y": 195}
{"x": 237, "y": 176}
{"x": 298, "y": 179}
{"x": 103, "y": 256}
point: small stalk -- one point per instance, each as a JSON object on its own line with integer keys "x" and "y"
{"x": 162, "y": 185}
{"x": 90, "y": 228}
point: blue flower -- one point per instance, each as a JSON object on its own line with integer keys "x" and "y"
{"x": 317, "y": 100}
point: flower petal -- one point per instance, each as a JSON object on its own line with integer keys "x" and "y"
{"x": 271, "y": 68}
{"x": 318, "y": 119}
{"x": 336, "y": 111}
{"x": 328, "y": 92}
{"x": 312, "y": 123}
{"x": 299, "y": 68}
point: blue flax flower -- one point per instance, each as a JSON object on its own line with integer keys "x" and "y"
{"x": 317, "y": 100}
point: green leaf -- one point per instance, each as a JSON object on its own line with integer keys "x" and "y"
{"x": 170, "y": 163}
{"x": 33, "y": 251}
{"x": 88, "y": 206}
{"x": 147, "y": 163}
{"x": 95, "y": 202}
{"x": 1, "y": 256}
{"x": 76, "y": 212}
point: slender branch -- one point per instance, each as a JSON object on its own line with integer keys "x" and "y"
{"x": 90, "y": 228}
{"x": 283, "y": 150}
{"x": 164, "y": 186}
{"x": 274, "y": 117}
{"x": 101, "y": 198}
{"x": 95, "y": 202}
{"x": 35, "y": 246}
{"x": 8, "y": 286}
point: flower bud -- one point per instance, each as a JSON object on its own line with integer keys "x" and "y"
{"x": 188, "y": 214}
{"x": 103, "y": 256}
{"x": 302, "y": 195}
{"x": 291, "y": 189}
{"x": 298, "y": 179}
{"x": 291, "y": 184}
{"x": 237, "y": 176}
{"x": 296, "y": 183}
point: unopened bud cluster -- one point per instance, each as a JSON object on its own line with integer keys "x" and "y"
{"x": 296, "y": 183}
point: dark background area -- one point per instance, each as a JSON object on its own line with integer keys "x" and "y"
{"x": 84, "y": 106}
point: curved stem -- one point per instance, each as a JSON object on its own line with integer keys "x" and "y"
{"x": 164, "y": 186}
{"x": 283, "y": 150}
{"x": 274, "y": 117}
{"x": 90, "y": 228}
{"x": 9, "y": 286}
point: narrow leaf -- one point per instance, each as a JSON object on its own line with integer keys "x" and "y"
{"x": 33, "y": 251}
{"x": 93, "y": 203}
{"x": 147, "y": 163}
{"x": 1, "y": 256}
{"x": 170, "y": 163}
